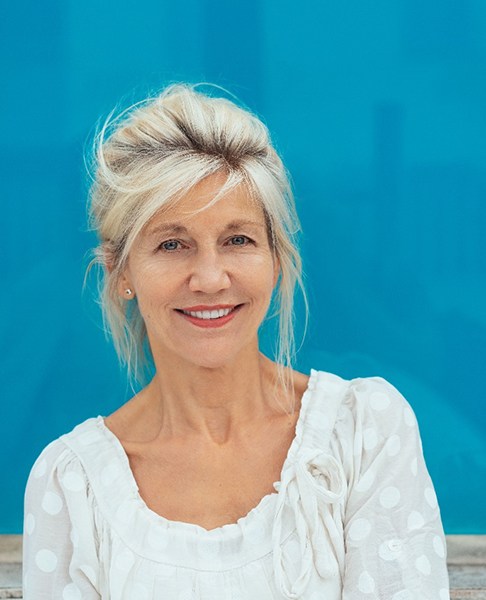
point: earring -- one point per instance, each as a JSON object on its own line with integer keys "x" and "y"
{"x": 128, "y": 292}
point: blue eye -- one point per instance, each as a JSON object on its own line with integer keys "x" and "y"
{"x": 170, "y": 245}
{"x": 239, "y": 240}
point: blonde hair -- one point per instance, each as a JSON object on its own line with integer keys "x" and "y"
{"x": 148, "y": 158}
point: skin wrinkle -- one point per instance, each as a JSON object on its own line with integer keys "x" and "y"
{"x": 178, "y": 228}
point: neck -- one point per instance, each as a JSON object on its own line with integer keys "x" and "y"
{"x": 212, "y": 402}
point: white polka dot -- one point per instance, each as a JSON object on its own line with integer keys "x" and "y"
{"x": 158, "y": 537}
{"x": 423, "y": 565}
{"x": 40, "y": 468}
{"x": 29, "y": 524}
{"x": 109, "y": 474}
{"x": 444, "y": 594}
{"x": 414, "y": 467}
{"x": 393, "y": 445}
{"x": 438, "y": 546}
{"x": 140, "y": 592}
{"x": 366, "y": 481}
{"x": 430, "y": 497}
{"x": 46, "y": 561}
{"x": 390, "y": 550}
{"x": 415, "y": 520}
{"x": 408, "y": 416}
{"x": 366, "y": 583}
{"x": 359, "y": 529}
{"x": 403, "y": 595}
{"x": 379, "y": 401}
{"x": 71, "y": 592}
{"x": 370, "y": 439}
{"x": 52, "y": 503}
{"x": 73, "y": 482}
{"x": 124, "y": 561}
{"x": 90, "y": 437}
{"x": 74, "y": 537}
{"x": 389, "y": 497}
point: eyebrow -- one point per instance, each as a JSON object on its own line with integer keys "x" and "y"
{"x": 177, "y": 228}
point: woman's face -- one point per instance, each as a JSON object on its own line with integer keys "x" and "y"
{"x": 203, "y": 281}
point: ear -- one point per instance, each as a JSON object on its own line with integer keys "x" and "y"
{"x": 125, "y": 287}
{"x": 123, "y": 283}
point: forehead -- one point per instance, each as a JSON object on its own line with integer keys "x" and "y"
{"x": 231, "y": 210}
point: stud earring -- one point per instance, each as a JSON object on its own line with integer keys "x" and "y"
{"x": 128, "y": 292}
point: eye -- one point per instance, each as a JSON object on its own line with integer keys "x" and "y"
{"x": 239, "y": 240}
{"x": 170, "y": 245}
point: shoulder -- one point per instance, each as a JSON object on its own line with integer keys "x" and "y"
{"x": 377, "y": 397}
{"x": 364, "y": 394}
{"x": 373, "y": 421}
{"x": 375, "y": 432}
{"x": 369, "y": 411}
{"x": 59, "y": 460}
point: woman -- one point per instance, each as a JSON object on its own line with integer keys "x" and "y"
{"x": 229, "y": 475}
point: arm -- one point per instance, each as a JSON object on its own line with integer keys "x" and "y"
{"x": 395, "y": 546}
{"x": 60, "y": 554}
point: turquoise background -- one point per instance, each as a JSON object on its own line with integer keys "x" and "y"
{"x": 378, "y": 109}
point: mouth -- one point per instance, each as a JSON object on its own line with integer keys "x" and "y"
{"x": 209, "y": 316}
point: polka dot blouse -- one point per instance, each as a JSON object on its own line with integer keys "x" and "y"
{"x": 354, "y": 516}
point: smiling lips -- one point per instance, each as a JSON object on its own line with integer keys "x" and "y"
{"x": 209, "y": 316}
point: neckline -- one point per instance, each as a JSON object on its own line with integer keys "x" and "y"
{"x": 261, "y": 507}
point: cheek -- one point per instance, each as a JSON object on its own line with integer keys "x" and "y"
{"x": 261, "y": 279}
{"x": 153, "y": 279}
{"x": 150, "y": 291}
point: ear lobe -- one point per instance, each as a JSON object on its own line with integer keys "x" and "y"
{"x": 123, "y": 285}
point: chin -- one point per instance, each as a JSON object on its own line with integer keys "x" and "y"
{"x": 209, "y": 357}
{"x": 213, "y": 354}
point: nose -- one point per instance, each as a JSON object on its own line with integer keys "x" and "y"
{"x": 208, "y": 272}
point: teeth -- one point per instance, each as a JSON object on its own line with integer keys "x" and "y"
{"x": 209, "y": 314}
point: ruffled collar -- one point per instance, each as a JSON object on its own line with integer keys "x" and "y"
{"x": 312, "y": 484}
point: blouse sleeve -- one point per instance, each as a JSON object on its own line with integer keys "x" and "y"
{"x": 395, "y": 545}
{"x": 60, "y": 549}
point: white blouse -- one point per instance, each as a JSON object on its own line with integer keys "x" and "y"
{"x": 354, "y": 516}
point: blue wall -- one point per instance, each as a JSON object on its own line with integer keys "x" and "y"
{"x": 379, "y": 111}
